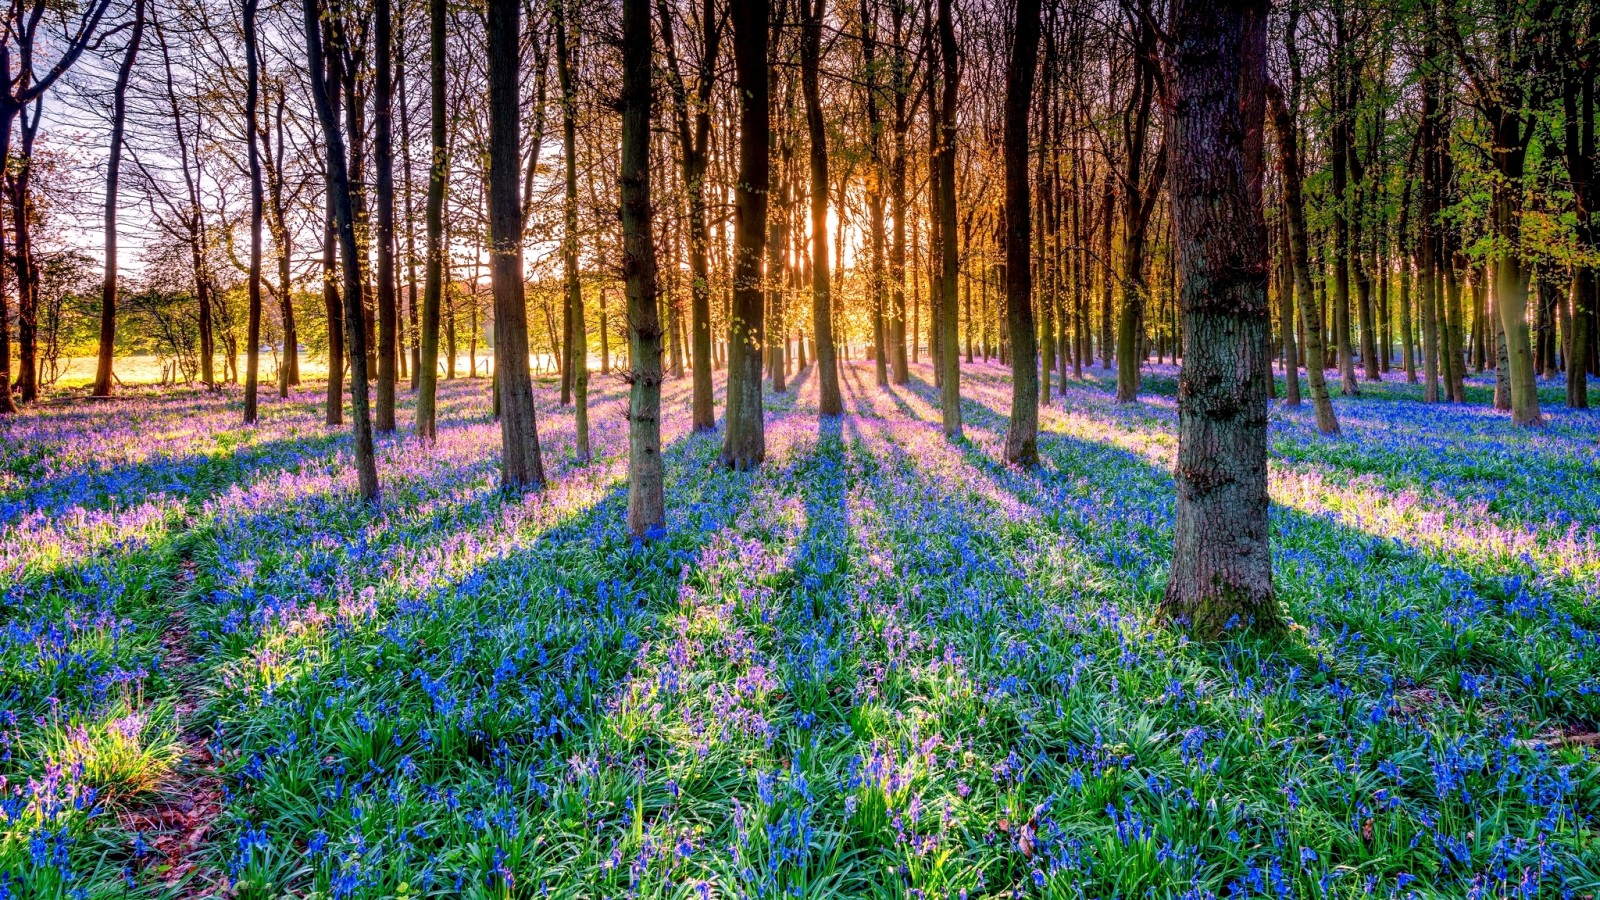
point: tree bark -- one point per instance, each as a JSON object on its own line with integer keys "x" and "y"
{"x": 257, "y": 212}
{"x": 433, "y": 269}
{"x": 949, "y": 360}
{"x": 1221, "y": 562}
{"x": 344, "y": 220}
{"x": 383, "y": 233}
{"x": 577, "y": 343}
{"x": 744, "y": 444}
{"x": 521, "y": 465}
{"x": 1022, "y": 435}
{"x": 829, "y": 402}
{"x": 108, "y": 289}
{"x": 646, "y": 504}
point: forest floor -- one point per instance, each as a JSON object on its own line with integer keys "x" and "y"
{"x": 882, "y": 665}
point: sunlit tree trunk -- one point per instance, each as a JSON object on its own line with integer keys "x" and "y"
{"x": 1022, "y": 435}
{"x": 433, "y": 269}
{"x": 521, "y": 464}
{"x": 948, "y": 360}
{"x": 108, "y": 289}
{"x": 744, "y": 445}
{"x": 646, "y": 504}
{"x": 344, "y": 220}
{"x": 1294, "y": 210}
{"x": 252, "y": 93}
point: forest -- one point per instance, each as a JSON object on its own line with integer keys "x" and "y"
{"x": 743, "y": 449}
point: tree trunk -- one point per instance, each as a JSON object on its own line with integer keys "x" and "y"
{"x": 383, "y": 233}
{"x": 1022, "y": 436}
{"x": 828, "y": 399}
{"x": 252, "y": 93}
{"x": 949, "y": 360}
{"x": 433, "y": 270}
{"x": 521, "y": 464}
{"x": 744, "y": 444}
{"x": 344, "y": 219}
{"x": 577, "y": 339}
{"x": 1291, "y": 368}
{"x": 1294, "y": 209}
{"x": 1221, "y": 562}
{"x": 108, "y": 289}
{"x": 646, "y": 504}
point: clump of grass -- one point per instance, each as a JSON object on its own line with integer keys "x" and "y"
{"x": 122, "y": 754}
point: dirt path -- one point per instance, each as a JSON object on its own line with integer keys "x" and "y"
{"x": 177, "y": 822}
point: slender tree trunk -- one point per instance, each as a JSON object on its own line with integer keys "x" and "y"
{"x": 744, "y": 445}
{"x": 108, "y": 289}
{"x": 829, "y": 402}
{"x": 388, "y": 349}
{"x": 949, "y": 361}
{"x": 646, "y": 504}
{"x": 1291, "y": 368}
{"x": 1294, "y": 209}
{"x": 339, "y": 190}
{"x": 433, "y": 274}
{"x": 1022, "y": 436}
{"x": 521, "y": 464}
{"x": 252, "y": 93}
{"x": 1221, "y": 562}
{"x": 577, "y": 339}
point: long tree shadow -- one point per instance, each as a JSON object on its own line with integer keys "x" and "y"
{"x": 511, "y": 664}
{"x": 1385, "y": 606}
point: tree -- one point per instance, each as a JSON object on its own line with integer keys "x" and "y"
{"x": 383, "y": 230}
{"x": 693, "y": 146}
{"x": 433, "y": 270}
{"x": 1022, "y": 437}
{"x": 828, "y": 399}
{"x": 338, "y": 176}
{"x": 646, "y": 502}
{"x": 944, "y": 126}
{"x": 23, "y": 87}
{"x": 108, "y": 291}
{"x": 1138, "y": 194}
{"x": 744, "y": 443}
{"x": 1299, "y": 260}
{"x": 521, "y": 466}
{"x": 1507, "y": 95}
{"x": 1221, "y": 563}
{"x": 577, "y": 353}
{"x": 252, "y": 98}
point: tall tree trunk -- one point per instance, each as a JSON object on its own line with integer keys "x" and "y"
{"x": 252, "y": 93}
{"x": 901, "y": 70}
{"x": 949, "y": 361}
{"x": 744, "y": 445}
{"x": 1022, "y": 435}
{"x": 1291, "y": 366}
{"x": 577, "y": 339}
{"x": 521, "y": 464}
{"x": 388, "y": 300}
{"x": 344, "y": 219}
{"x": 108, "y": 288}
{"x": 413, "y": 301}
{"x": 331, "y": 301}
{"x": 829, "y": 402}
{"x": 433, "y": 269}
{"x": 646, "y": 506}
{"x": 1221, "y": 562}
{"x": 1294, "y": 208}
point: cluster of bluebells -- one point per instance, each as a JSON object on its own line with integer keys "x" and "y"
{"x": 881, "y": 659}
